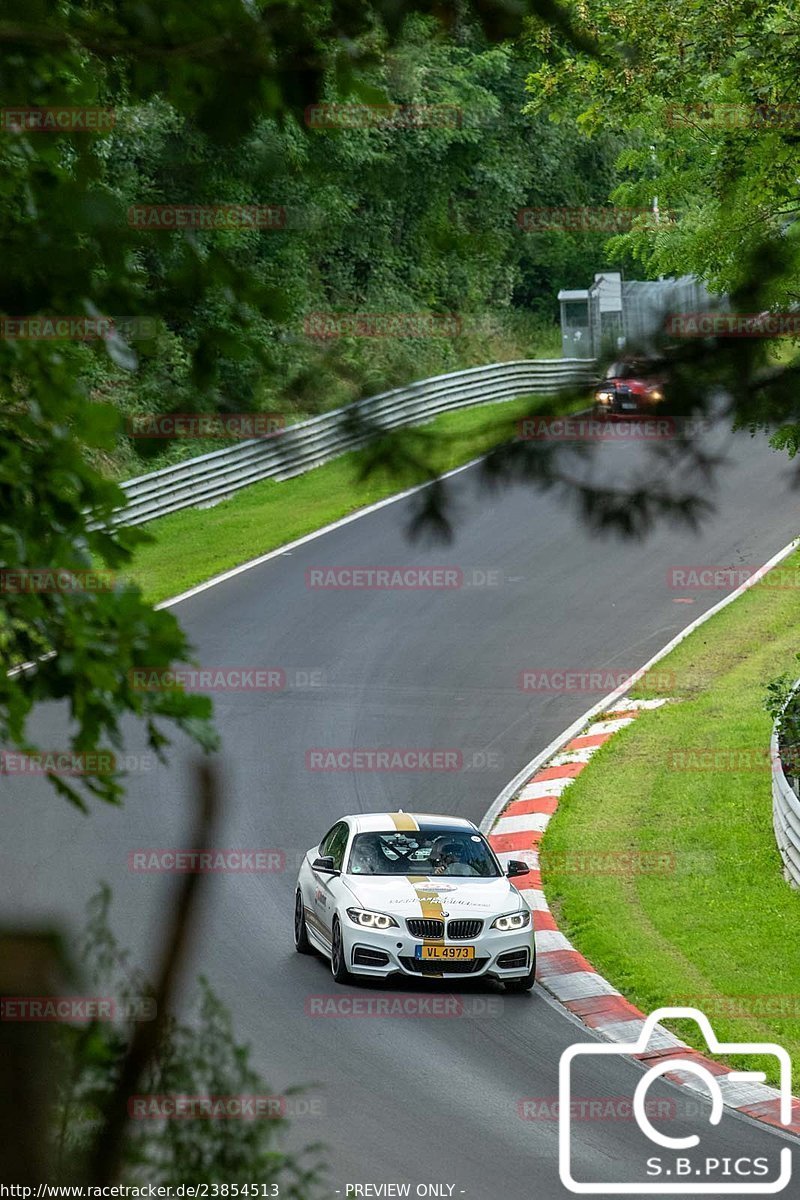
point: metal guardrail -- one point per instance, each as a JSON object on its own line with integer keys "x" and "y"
{"x": 298, "y": 448}
{"x": 785, "y": 808}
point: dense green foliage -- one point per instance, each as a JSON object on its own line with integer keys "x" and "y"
{"x": 706, "y": 97}
{"x": 377, "y": 220}
{"x": 197, "y": 1057}
{"x": 209, "y": 108}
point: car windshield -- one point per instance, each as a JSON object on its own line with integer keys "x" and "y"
{"x": 621, "y": 370}
{"x": 417, "y": 852}
{"x": 635, "y": 369}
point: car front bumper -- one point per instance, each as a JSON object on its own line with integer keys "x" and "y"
{"x": 396, "y": 949}
{"x": 613, "y": 408}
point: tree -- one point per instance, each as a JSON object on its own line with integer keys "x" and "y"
{"x": 704, "y": 98}
{"x": 197, "y": 1057}
{"x": 208, "y": 100}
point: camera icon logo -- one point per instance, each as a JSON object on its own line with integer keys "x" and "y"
{"x": 670, "y": 1180}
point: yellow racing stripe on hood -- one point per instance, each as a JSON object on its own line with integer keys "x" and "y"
{"x": 430, "y": 902}
{"x": 403, "y": 821}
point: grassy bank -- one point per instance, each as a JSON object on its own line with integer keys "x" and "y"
{"x": 718, "y": 927}
{"x": 195, "y": 544}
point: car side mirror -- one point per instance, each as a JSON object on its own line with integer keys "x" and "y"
{"x": 326, "y": 864}
{"x": 516, "y": 867}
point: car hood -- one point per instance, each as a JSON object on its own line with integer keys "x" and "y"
{"x": 637, "y": 386}
{"x": 420, "y": 895}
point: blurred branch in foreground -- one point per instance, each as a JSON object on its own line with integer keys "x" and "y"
{"x": 106, "y": 1160}
{"x": 31, "y": 964}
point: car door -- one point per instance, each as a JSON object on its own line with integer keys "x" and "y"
{"x": 326, "y": 886}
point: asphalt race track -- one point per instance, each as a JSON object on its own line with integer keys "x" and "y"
{"x": 415, "y": 1099}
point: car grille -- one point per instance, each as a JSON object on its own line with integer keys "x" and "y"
{"x": 425, "y": 927}
{"x": 467, "y": 967}
{"x": 460, "y": 930}
{"x": 432, "y": 927}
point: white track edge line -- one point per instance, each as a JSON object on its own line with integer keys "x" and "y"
{"x": 309, "y": 537}
{"x": 575, "y": 728}
{"x": 287, "y": 547}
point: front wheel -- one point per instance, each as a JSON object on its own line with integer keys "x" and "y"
{"x": 338, "y": 964}
{"x": 525, "y": 984}
{"x": 301, "y": 943}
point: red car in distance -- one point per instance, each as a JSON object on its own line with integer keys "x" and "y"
{"x": 629, "y": 389}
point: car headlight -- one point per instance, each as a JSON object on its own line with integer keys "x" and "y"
{"x": 604, "y": 397}
{"x": 656, "y": 394}
{"x": 371, "y": 920}
{"x": 515, "y": 920}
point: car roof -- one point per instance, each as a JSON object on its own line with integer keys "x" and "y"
{"x": 388, "y": 822}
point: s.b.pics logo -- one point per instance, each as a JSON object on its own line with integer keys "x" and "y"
{"x": 682, "y": 1156}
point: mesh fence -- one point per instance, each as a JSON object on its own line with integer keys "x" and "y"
{"x": 645, "y": 306}
{"x": 592, "y": 327}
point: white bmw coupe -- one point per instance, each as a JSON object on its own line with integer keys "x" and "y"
{"x": 412, "y": 894}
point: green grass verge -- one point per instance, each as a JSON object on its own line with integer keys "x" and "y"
{"x": 196, "y": 544}
{"x": 719, "y": 925}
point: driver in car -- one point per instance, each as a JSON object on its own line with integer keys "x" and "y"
{"x": 449, "y": 857}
